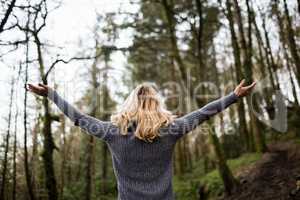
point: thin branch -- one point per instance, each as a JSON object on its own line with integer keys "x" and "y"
{"x": 105, "y": 48}
{"x": 7, "y": 14}
{"x": 66, "y": 62}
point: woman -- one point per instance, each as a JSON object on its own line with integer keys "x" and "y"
{"x": 141, "y": 137}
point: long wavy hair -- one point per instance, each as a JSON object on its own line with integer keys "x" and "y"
{"x": 145, "y": 108}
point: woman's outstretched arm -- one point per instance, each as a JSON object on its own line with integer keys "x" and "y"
{"x": 191, "y": 120}
{"x": 90, "y": 124}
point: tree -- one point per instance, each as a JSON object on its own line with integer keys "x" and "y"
{"x": 7, "y": 143}
{"x": 260, "y": 143}
{"x": 40, "y": 10}
{"x": 90, "y": 146}
{"x": 28, "y": 175}
{"x": 245, "y": 135}
{"x": 230, "y": 183}
{"x": 106, "y": 105}
{"x": 291, "y": 40}
{"x": 14, "y": 173}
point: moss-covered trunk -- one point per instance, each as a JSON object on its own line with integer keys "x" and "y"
{"x": 230, "y": 183}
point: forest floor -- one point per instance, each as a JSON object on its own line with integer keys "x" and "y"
{"x": 273, "y": 177}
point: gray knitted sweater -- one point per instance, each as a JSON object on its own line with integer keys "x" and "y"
{"x": 143, "y": 170}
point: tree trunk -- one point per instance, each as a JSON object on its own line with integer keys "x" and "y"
{"x": 63, "y": 157}
{"x": 184, "y": 79}
{"x": 245, "y": 135}
{"x": 292, "y": 41}
{"x": 49, "y": 145}
{"x": 298, "y": 1}
{"x": 291, "y": 72}
{"x": 201, "y": 65}
{"x": 247, "y": 63}
{"x": 90, "y": 148}
{"x": 267, "y": 50}
{"x": 263, "y": 68}
{"x": 271, "y": 66}
{"x": 14, "y": 175}
{"x": 104, "y": 167}
{"x": 256, "y": 126}
{"x": 284, "y": 45}
{"x": 180, "y": 159}
{"x": 106, "y": 117}
{"x": 28, "y": 175}
{"x": 6, "y": 147}
{"x": 35, "y": 153}
{"x": 88, "y": 191}
{"x": 230, "y": 184}
{"x": 217, "y": 81}
{"x": 175, "y": 50}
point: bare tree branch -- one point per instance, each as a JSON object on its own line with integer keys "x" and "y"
{"x": 66, "y": 62}
{"x": 7, "y": 14}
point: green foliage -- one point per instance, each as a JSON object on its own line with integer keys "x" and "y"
{"x": 74, "y": 191}
{"x": 187, "y": 186}
{"x": 213, "y": 181}
{"x": 185, "y": 189}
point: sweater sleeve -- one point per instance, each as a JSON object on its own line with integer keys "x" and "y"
{"x": 191, "y": 120}
{"x": 89, "y": 124}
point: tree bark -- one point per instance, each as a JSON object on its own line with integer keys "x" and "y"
{"x": 49, "y": 145}
{"x": 175, "y": 50}
{"x": 245, "y": 135}
{"x": 263, "y": 68}
{"x": 63, "y": 157}
{"x": 272, "y": 65}
{"x": 256, "y": 126}
{"x": 106, "y": 117}
{"x": 217, "y": 81}
{"x": 230, "y": 183}
{"x": 90, "y": 148}
{"x": 290, "y": 71}
{"x": 201, "y": 66}
{"x": 14, "y": 174}
{"x": 7, "y": 145}
{"x": 284, "y": 44}
{"x": 298, "y": 1}
{"x": 292, "y": 41}
{"x": 28, "y": 175}
{"x": 89, "y": 168}
{"x": 184, "y": 79}
{"x": 247, "y": 63}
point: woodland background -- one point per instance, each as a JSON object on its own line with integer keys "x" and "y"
{"x": 95, "y": 53}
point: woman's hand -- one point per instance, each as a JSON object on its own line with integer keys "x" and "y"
{"x": 242, "y": 90}
{"x": 40, "y": 89}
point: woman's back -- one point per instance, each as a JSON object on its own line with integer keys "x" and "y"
{"x": 143, "y": 169}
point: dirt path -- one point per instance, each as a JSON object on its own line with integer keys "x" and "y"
{"x": 273, "y": 177}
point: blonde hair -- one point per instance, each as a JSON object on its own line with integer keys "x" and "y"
{"x": 144, "y": 106}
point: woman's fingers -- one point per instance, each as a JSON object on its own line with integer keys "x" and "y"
{"x": 32, "y": 87}
{"x": 37, "y": 89}
{"x": 241, "y": 83}
{"x": 250, "y": 86}
{"x": 241, "y": 91}
{"x": 43, "y": 85}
